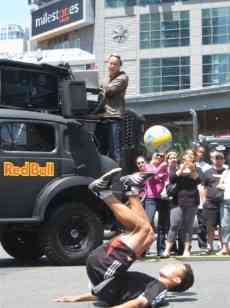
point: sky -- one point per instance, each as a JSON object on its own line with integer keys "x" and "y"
{"x": 15, "y": 12}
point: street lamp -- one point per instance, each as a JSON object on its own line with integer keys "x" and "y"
{"x": 194, "y": 125}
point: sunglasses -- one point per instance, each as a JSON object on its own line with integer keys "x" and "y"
{"x": 219, "y": 157}
{"x": 159, "y": 155}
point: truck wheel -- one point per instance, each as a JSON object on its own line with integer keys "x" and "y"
{"x": 22, "y": 245}
{"x": 70, "y": 234}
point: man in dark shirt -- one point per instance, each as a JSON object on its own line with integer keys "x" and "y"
{"x": 202, "y": 227}
{"x": 107, "y": 265}
{"x": 213, "y": 196}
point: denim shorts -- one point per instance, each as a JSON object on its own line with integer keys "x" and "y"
{"x": 225, "y": 220}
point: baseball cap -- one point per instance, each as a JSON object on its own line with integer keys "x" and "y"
{"x": 217, "y": 154}
{"x": 220, "y": 147}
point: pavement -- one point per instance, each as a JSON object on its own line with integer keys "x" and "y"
{"x": 37, "y": 286}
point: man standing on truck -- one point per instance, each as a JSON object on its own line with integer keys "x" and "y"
{"x": 114, "y": 89}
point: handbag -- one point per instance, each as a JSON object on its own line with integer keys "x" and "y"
{"x": 171, "y": 190}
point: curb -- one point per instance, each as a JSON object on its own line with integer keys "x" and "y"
{"x": 204, "y": 258}
{"x": 191, "y": 258}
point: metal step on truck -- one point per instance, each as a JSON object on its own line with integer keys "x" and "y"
{"x": 48, "y": 156}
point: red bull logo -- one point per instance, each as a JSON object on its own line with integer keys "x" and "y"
{"x": 28, "y": 169}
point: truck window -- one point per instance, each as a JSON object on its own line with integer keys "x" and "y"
{"x": 29, "y": 89}
{"x": 31, "y": 137}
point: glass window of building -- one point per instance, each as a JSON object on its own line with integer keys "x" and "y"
{"x": 152, "y": 2}
{"x": 119, "y": 3}
{"x": 164, "y": 74}
{"x": 11, "y": 32}
{"x": 216, "y": 26}
{"x": 216, "y": 69}
{"x": 170, "y": 29}
{"x": 64, "y": 41}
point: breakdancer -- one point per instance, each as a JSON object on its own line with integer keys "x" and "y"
{"x": 107, "y": 266}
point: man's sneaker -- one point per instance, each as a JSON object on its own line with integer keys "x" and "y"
{"x": 137, "y": 178}
{"x": 104, "y": 182}
{"x": 133, "y": 183}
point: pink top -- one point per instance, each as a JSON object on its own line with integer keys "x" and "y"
{"x": 155, "y": 185}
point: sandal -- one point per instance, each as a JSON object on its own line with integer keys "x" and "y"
{"x": 186, "y": 254}
{"x": 222, "y": 253}
{"x": 210, "y": 251}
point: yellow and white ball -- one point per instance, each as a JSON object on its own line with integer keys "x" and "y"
{"x": 158, "y": 138}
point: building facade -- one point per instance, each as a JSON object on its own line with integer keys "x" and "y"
{"x": 176, "y": 53}
{"x": 63, "y": 24}
{"x": 13, "y": 39}
{"x": 63, "y": 31}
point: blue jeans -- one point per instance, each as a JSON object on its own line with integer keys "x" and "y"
{"x": 150, "y": 206}
{"x": 114, "y": 142}
{"x": 163, "y": 224}
{"x": 225, "y": 221}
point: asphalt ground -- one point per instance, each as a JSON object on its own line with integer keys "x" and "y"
{"x": 37, "y": 286}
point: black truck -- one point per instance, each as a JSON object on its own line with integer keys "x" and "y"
{"x": 48, "y": 157}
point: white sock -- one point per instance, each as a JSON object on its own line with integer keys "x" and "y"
{"x": 105, "y": 194}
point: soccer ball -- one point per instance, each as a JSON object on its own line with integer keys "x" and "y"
{"x": 158, "y": 138}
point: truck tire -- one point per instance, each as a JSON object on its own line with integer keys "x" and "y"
{"x": 70, "y": 234}
{"x": 22, "y": 245}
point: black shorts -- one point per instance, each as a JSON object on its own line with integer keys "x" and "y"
{"x": 212, "y": 217}
{"x": 107, "y": 270}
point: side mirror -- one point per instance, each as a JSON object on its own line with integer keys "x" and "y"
{"x": 74, "y": 98}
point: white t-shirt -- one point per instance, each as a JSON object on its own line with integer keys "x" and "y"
{"x": 204, "y": 167}
{"x": 225, "y": 180}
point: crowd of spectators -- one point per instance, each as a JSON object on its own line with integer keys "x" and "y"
{"x": 187, "y": 191}
{"x": 183, "y": 187}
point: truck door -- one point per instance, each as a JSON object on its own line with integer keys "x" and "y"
{"x": 28, "y": 161}
{"x": 84, "y": 151}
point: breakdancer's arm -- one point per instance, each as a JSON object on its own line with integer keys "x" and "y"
{"x": 85, "y": 297}
{"x": 139, "y": 302}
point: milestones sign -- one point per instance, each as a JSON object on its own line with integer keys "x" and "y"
{"x": 57, "y": 15}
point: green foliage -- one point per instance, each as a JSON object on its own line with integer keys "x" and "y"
{"x": 182, "y": 143}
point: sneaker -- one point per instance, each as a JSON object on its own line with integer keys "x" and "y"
{"x": 165, "y": 255}
{"x": 186, "y": 254}
{"x": 132, "y": 183}
{"x": 104, "y": 182}
{"x": 149, "y": 253}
